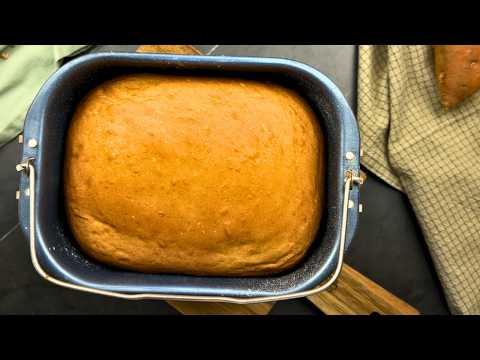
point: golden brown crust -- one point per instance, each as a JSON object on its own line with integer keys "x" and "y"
{"x": 457, "y": 70}
{"x": 194, "y": 176}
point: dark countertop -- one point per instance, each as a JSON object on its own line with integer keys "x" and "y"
{"x": 388, "y": 248}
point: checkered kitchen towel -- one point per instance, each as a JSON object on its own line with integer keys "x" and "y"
{"x": 428, "y": 153}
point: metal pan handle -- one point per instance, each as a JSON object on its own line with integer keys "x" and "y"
{"x": 351, "y": 179}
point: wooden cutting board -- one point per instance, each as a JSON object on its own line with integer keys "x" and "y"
{"x": 169, "y": 49}
{"x": 355, "y": 294}
{"x": 352, "y": 294}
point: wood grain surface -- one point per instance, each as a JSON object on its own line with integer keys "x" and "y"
{"x": 353, "y": 293}
{"x": 204, "y": 308}
{"x": 169, "y": 49}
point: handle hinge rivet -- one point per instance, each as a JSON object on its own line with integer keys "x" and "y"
{"x": 350, "y": 156}
{"x": 32, "y": 143}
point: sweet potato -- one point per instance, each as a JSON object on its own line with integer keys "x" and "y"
{"x": 457, "y": 69}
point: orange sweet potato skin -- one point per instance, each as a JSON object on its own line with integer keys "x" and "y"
{"x": 457, "y": 70}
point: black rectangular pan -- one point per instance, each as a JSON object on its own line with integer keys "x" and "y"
{"x": 54, "y": 252}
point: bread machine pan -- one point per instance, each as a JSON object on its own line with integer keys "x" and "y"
{"x": 54, "y": 252}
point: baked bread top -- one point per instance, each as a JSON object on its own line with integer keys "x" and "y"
{"x": 193, "y": 175}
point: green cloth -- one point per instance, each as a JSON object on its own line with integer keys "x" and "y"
{"x": 430, "y": 154}
{"x": 23, "y": 70}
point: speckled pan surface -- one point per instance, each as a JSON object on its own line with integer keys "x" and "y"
{"x": 48, "y": 121}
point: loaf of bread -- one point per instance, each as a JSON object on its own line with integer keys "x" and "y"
{"x": 457, "y": 71}
{"x": 194, "y": 175}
